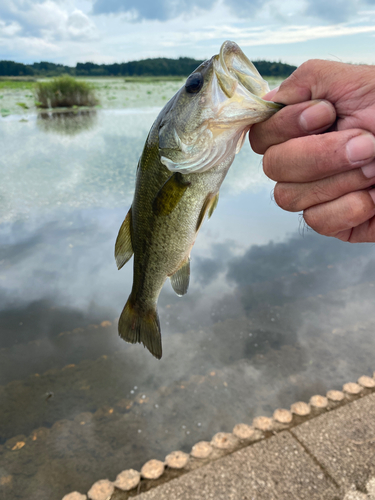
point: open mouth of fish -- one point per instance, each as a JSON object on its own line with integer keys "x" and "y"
{"x": 234, "y": 102}
{"x": 232, "y": 67}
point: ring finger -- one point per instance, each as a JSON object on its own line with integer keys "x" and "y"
{"x": 295, "y": 197}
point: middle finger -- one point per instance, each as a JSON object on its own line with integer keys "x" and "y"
{"x": 310, "y": 158}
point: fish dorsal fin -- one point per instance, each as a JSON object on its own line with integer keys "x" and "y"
{"x": 180, "y": 279}
{"x": 170, "y": 194}
{"x": 209, "y": 206}
{"x": 123, "y": 246}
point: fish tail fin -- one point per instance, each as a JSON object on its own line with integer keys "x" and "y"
{"x": 141, "y": 326}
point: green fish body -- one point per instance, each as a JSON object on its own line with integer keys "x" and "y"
{"x": 186, "y": 157}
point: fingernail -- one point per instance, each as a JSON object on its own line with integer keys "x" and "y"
{"x": 361, "y": 148}
{"x": 372, "y": 194}
{"x": 369, "y": 170}
{"x": 270, "y": 94}
{"x": 316, "y": 116}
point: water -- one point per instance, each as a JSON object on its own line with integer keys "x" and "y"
{"x": 274, "y": 313}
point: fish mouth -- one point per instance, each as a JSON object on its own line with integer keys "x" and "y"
{"x": 231, "y": 104}
{"x": 232, "y": 68}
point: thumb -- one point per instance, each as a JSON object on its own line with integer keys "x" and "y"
{"x": 314, "y": 79}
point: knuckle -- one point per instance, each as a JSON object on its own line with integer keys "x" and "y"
{"x": 307, "y": 68}
{"x": 320, "y": 192}
{"x": 326, "y": 154}
{"x": 357, "y": 207}
{"x": 285, "y": 197}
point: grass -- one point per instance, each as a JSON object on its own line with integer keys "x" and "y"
{"x": 16, "y": 84}
{"x": 153, "y": 79}
{"x": 64, "y": 92}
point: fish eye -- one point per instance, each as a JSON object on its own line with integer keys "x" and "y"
{"x": 194, "y": 83}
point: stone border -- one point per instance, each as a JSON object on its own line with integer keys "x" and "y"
{"x": 130, "y": 483}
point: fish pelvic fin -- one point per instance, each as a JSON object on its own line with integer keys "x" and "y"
{"x": 141, "y": 326}
{"x": 180, "y": 279}
{"x": 123, "y": 246}
{"x": 213, "y": 205}
{"x": 209, "y": 205}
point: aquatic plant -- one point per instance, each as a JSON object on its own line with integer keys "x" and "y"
{"x": 67, "y": 122}
{"x": 66, "y": 92}
{"x": 22, "y": 105}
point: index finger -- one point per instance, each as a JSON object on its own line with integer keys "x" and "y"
{"x": 297, "y": 120}
{"x": 333, "y": 81}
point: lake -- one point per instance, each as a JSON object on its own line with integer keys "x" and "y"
{"x": 274, "y": 312}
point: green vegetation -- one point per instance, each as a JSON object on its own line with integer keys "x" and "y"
{"x": 159, "y": 67}
{"x": 152, "y": 79}
{"x": 16, "y": 84}
{"x": 64, "y": 91}
{"x": 276, "y": 69}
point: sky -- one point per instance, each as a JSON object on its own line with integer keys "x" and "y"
{"x": 107, "y": 31}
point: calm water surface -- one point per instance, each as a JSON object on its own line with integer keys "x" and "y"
{"x": 274, "y": 313}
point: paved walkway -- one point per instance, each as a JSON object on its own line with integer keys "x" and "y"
{"x": 328, "y": 457}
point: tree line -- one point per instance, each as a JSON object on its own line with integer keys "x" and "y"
{"x": 160, "y": 66}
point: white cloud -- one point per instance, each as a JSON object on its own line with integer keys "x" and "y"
{"x": 80, "y": 26}
{"x": 49, "y": 20}
{"x": 293, "y": 34}
{"x": 9, "y": 29}
{"x": 67, "y": 31}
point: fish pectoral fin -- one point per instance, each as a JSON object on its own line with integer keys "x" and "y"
{"x": 170, "y": 194}
{"x": 181, "y": 278}
{"x": 209, "y": 205}
{"x": 123, "y": 246}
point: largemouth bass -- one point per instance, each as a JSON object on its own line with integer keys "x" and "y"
{"x": 186, "y": 157}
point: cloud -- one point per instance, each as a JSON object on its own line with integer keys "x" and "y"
{"x": 47, "y": 20}
{"x": 9, "y": 29}
{"x": 80, "y": 26}
{"x": 68, "y": 31}
{"x": 298, "y": 267}
{"x": 245, "y": 8}
{"x": 336, "y": 11}
{"x": 163, "y": 10}
{"x": 272, "y": 35}
{"x": 145, "y": 9}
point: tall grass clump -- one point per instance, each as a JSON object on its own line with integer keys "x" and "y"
{"x": 64, "y": 92}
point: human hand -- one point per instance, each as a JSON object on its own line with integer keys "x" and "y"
{"x": 320, "y": 149}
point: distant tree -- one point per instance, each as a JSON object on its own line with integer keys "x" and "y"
{"x": 160, "y": 66}
{"x": 11, "y": 68}
{"x": 280, "y": 69}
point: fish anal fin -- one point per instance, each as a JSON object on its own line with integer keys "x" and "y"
{"x": 141, "y": 326}
{"x": 181, "y": 278}
{"x": 209, "y": 206}
{"x": 170, "y": 194}
{"x": 123, "y": 246}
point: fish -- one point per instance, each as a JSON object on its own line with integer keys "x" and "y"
{"x": 186, "y": 156}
